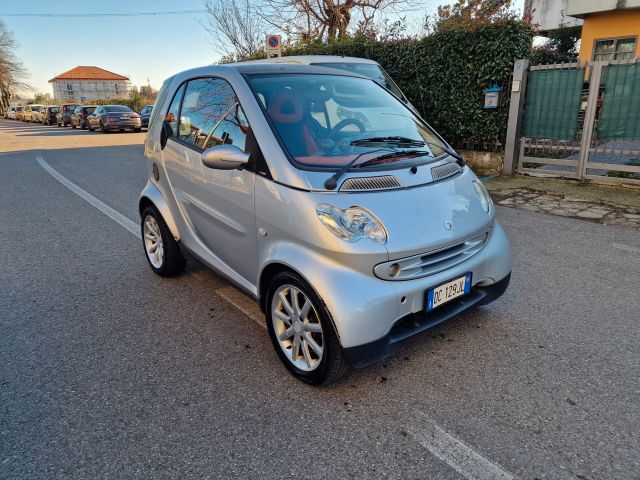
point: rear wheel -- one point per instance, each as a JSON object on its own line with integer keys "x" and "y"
{"x": 161, "y": 249}
{"x": 302, "y": 332}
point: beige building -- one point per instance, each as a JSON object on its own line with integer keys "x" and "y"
{"x": 87, "y": 83}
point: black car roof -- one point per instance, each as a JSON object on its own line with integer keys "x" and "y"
{"x": 266, "y": 68}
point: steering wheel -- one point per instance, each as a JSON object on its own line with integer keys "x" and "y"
{"x": 331, "y": 141}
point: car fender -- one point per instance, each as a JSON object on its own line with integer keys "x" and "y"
{"x": 338, "y": 286}
{"x": 152, "y": 193}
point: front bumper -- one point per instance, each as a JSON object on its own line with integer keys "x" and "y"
{"x": 413, "y": 324}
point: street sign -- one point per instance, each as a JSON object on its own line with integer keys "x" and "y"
{"x": 273, "y": 46}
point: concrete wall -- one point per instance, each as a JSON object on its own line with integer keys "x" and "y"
{"x": 581, "y": 8}
{"x": 550, "y": 14}
{"x": 619, "y": 23}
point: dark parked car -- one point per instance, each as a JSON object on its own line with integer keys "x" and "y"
{"x": 107, "y": 118}
{"x": 80, "y": 114}
{"x": 64, "y": 114}
{"x": 48, "y": 114}
{"x": 145, "y": 114}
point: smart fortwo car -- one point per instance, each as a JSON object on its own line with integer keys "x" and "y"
{"x": 327, "y": 199}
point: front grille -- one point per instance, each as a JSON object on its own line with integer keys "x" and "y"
{"x": 430, "y": 263}
{"x": 445, "y": 171}
{"x": 382, "y": 182}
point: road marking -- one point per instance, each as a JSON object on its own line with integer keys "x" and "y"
{"x": 230, "y": 294}
{"x": 103, "y": 207}
{"x": 462, "y": 458}
{"x": 242, "y": 302}
{"x": 625, "y": 247}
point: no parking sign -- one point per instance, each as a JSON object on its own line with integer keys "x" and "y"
{"x": 273, "y": 46}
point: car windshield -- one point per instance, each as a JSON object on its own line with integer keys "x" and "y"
{"x": 118, "y": 108}
{"x": 54, "y": 109}
{"x": 36, "y": 108}
{"x": 331, "y": 120}
{"x": 369, "y": 70}
{"x": 89, "y": 109}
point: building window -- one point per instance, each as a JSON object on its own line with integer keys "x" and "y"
{"x": 615, "y": 49}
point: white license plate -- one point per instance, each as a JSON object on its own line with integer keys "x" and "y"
{"x": 448, "y": 291}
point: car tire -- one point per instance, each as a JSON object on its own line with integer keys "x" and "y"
{"x": 102, "y": 128}
{"x": 89, "y": 127}
{"x": 73, "y": 125}
{"x": 319, "y": 363}
{"x": 156, "y": 237}
{"x": 83, "y": 125}
{"x": 137, "y": 130}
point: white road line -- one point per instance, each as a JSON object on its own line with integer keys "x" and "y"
{"x": 230, "y": 294}
{"x": 242, "y": 302}
{"x": 462, "y": 458}
{"x": 627, "y": 248}
{"x": 103, "y": 207}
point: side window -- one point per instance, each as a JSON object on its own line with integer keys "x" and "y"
{"x": 232, "y": 129}
{"x": 174, "y": 111}
{"x": 208, "y": 101}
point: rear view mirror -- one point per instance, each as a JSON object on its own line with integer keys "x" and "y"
{"x": 224, "y": 157}
{"x": 165, "y": 133}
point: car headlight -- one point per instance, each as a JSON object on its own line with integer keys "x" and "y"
{"x": 351, "y": 224}
{"x": 485, "y": 198}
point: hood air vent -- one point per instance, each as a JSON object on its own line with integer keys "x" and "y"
{"x": 383, "y": 182}
{"x": 445, "y": 171}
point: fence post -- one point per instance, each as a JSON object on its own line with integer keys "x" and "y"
{"x": 589, "y": 117}
{"x": 518, "y": 89}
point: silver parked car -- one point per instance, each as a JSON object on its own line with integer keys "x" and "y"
{"x": 346, "y": 216}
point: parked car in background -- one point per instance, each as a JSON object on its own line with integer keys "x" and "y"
{"x": 145, "y": 114}
{"x": 48, "y": 115}
{"x": 64, "y": 114}
{"x": 108, "y": 118}
{"x": 30, "y": 113}
{"x": 80, "y": 114}
{"x": 362, "y": 66}
{"x": 347, "y": 217}
{"x": 10, "y": 113}
{"x": 19, "y": 113}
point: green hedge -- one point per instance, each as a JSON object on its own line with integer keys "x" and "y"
{"x": 445, "y": 74}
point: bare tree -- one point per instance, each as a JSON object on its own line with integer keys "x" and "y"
{"x": 236, "y": 27}
{"x": 13, "y": 74}
{"x": 325, "y": 19}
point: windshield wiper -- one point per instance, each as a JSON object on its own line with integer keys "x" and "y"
{"x": 402, "y": 153}
{"x": 402, "y": 142}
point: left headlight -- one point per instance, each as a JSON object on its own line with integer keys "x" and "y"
{"x": 351, "y": 224}
{"x": 485, "y": 198}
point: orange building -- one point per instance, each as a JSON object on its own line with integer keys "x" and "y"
{"x": 610, "y": 29}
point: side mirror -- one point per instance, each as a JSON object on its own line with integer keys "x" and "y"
{"x": 165, "y": 133}
{"x": 224, "y": 157}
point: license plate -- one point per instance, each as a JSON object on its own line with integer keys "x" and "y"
{"x": 448, "y": 291}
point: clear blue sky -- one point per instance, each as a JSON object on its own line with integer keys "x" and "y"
{"x": 140, "y": 47}
{"x": 153, "y": 47}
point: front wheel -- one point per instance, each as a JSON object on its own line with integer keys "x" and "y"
{"x": 103, "y": 129}
{"x": 161, "y": 249}
{"x": 302, "y": 332}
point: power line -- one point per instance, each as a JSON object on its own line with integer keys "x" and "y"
{"x": 90, "y": 15}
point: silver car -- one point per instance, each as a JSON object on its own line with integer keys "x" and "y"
{"x": 323, "y": 196}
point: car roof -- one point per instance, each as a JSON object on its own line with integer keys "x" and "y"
{"x": 257, "y": 68}
{"x": 309, "y": 59}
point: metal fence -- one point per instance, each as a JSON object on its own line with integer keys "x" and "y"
{"x": 577, "y": 120}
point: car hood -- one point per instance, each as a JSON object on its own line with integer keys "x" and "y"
{"x": 426, "y": 217}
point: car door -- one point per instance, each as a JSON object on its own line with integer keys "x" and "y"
{"x": 218, "y": 204}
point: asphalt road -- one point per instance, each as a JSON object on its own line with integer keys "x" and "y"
{"x": 108, "y": 371}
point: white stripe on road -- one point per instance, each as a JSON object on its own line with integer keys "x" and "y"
{"x": 103, "y": 207}
{"x": 462, "y": 458}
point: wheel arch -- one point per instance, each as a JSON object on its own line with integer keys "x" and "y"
{"x": 151, "y": 195}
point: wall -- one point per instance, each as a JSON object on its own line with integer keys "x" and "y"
{"x": 88, "y": 90}
{"x": 619, "y": 23}
{"x": 550, "y": 14}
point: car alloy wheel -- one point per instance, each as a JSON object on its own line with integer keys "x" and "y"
{"x": 297, "y": 327}
{"x": 153, "y": 242}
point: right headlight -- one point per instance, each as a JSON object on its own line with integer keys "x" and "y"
{"x": 485, "y": 198}
{"x": 351, "y": 224}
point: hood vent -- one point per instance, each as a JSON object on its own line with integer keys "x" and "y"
{"x": 383, "y": 182}
{"x": 445, "y": 171}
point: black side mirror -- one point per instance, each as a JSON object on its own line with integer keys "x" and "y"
{"x": 165, "y": 133}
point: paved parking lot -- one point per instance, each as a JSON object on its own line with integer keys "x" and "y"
{"x": 108, "y": 371}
